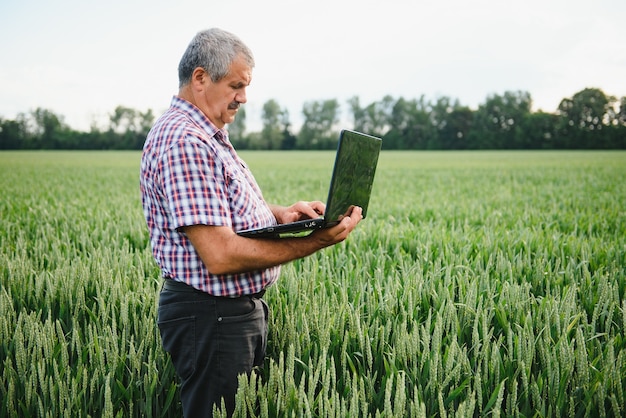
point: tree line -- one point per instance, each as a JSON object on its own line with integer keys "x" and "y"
{"x": 590, "y": 119}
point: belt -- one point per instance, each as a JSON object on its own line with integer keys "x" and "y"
{"x": 176, "y": 286}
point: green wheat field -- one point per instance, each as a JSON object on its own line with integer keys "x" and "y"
{"x": 480, "y": 284}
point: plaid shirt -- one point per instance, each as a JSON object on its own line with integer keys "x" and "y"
{"x": 191, "y": 175}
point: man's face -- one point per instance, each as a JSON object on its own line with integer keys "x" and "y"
{"x": 222, "y": 99}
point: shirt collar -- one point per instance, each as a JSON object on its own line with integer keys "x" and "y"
{"x": 200, "y": 119}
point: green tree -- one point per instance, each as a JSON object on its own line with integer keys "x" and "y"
{"x": 288, "y": 139}
{"x": 582, "y": 118}
{"x": 621, "y": 114}
{"x": 358, "y": 113}
{"x": 375, "y": 118}
{"x": 49, "y": 128}
{"x": 539, "y": 131}
{"x": 452, "y": 123}
{"x": 129, "y": 128}
{"x": 319, "y": 127}
{"x": 454, "y": 133}
{"x": 272, "y": 134}
{"x": 498, "y": 122}
{"x": 12, "y": 134}
{"x": 616, "y": 131}
{"x": 411, "y": 127}
{"x": 42, "y": 129}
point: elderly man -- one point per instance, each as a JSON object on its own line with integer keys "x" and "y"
{"x": 196, "y": 193}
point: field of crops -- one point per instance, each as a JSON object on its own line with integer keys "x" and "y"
{"x": 481, "y": 283}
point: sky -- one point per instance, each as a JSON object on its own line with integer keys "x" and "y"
{"x": 83, "y": 58}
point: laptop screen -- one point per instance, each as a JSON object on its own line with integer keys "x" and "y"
{"x": 353, "y": 174}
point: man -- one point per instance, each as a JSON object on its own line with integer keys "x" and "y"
{"x": 196, "y": 193}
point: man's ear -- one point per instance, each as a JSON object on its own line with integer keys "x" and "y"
{"x": 199, "y": 78}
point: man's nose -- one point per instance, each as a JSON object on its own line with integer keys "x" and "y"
{"x": 241, "y": 96}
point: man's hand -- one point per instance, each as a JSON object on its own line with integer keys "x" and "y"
{"x": 336, "y": 234}
{"x": 298, "y": 211}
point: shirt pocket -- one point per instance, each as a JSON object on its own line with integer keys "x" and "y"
{"x": 247, "y": 207}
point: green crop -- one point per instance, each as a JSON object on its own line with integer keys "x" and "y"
{"x": 481, "y": 283}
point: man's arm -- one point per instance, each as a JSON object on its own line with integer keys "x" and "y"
{"x": 225, "y": 252}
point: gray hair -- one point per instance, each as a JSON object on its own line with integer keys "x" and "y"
{"x": 214, "y": 50}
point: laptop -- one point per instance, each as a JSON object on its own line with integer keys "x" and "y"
{"x": 350, "y": 185}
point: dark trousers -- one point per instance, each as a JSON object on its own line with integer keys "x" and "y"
{"x": 211, "y": 340}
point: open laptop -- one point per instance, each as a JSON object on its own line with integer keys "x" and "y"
{"x": 350, "y": 185}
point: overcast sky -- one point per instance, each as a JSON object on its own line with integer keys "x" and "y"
{"x": 82, "y": 58}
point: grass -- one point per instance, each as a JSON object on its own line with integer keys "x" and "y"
{"x": 481, "y": 283}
